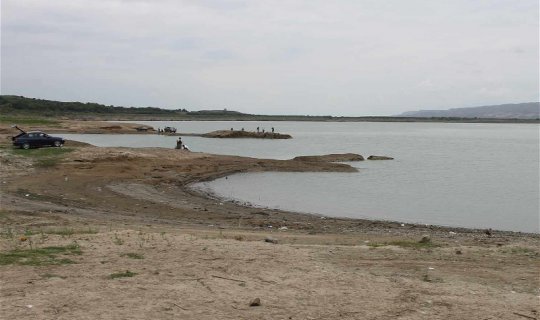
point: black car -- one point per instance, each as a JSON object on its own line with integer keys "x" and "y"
{"x": 36, "y": 139}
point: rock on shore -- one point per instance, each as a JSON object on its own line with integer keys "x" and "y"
{"x": 380, "y": 158}
{"x": 335, "y": 157}
{"x": 245, "y": 134}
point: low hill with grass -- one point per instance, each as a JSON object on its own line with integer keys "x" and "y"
{"x": 41, "y": 107}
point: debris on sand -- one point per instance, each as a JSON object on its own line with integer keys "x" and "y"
{"x": 255, "y": 302}
{"x": 425, "y": 239}
{"x": 271, "y": 240}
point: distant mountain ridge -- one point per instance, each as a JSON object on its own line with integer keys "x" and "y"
{"x": 527, "y": 110}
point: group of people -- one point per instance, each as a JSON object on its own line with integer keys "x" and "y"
{"x": 166, "y": 130}
{"x": 181, "y": 146}
{"x": 259, "y": 130}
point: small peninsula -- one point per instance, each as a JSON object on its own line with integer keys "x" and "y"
{"x": 245, "y": 134}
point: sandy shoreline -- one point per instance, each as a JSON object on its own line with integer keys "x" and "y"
{"x": 204, "y": 258}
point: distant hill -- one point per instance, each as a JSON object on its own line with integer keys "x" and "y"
{"x": 216, "y": 112}
{"x": 528, "y": 110}
{"x": 10, "y": 104}
{"x": 20, "y": 104}
{"x": 13, "y": 108}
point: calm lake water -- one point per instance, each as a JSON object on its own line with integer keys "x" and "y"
{"x": 467, "y": 175}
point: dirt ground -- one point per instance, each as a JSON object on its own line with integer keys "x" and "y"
{"x": 76, "y": 126}
{"x": 116, "y": 233}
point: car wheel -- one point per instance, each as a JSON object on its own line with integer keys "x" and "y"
{"x": 57, "y": 144}
{"x": 26, "y": 146}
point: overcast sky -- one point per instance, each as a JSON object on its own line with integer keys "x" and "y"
{"x": 357, "y": 57}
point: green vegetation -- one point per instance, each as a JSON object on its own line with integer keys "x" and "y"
{"x": 40, "y": 256}
{"x": 42, "y": 152}
{"x": 132, "y": 255}
{"x": 44, "y": 157}
{"x": 69, "y": 232}
{"x": 47, "y": 108}
{"x": 376, "y": 244}
{"x": 127, "y": 274}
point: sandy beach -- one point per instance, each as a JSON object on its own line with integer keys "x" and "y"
{"x": 134, "y": 241}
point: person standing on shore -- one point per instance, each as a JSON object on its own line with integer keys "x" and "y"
{"x": 272, "y": 129}
{"x": 179, "y": 143}
{"x": 257, "y": 129}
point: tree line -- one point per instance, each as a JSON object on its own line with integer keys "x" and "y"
{"x": 20, "y": 104}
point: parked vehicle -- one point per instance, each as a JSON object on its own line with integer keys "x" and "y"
{"x": 36, "y": 139}
{"x": 169, "y": 130}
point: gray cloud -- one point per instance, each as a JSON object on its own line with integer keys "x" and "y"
{"x": 303, "y": 57}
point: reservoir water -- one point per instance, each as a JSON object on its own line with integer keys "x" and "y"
{"x": 467, "y": 175}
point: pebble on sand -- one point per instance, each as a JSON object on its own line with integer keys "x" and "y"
{"x": 255, "y": 302}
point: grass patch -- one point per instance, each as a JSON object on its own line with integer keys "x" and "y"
{"x": 376, "y": 244}
{"x": 44, "y": 157}
{"x": 132, "y": 255}
{"x": 126, "y": 274}
{"x": 47, "y": 162}
{"x": 42, "y": 152}
{"x": 69, "y": 232}
{"x": 40, "y": 256}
